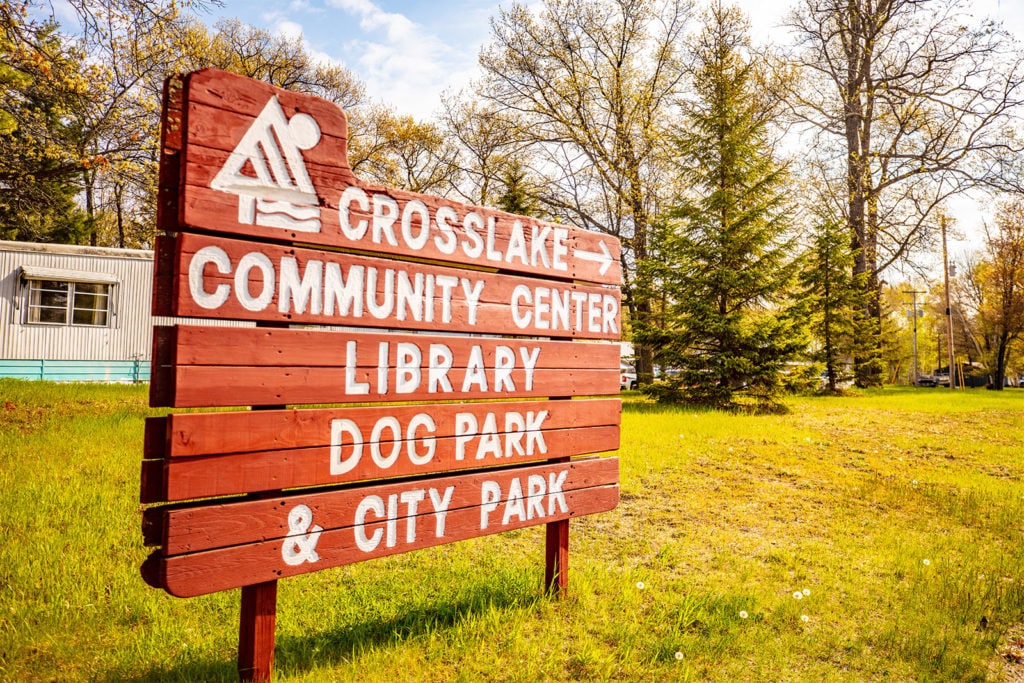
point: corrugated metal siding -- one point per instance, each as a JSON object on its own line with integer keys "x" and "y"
{"x": 127, "y": 337}
{"x": 27, "y": 350}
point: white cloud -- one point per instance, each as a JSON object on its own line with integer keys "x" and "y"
{"x": 291, "y": 30}
{"x": 288, "y": 29}
{"x": 402, "y": 63}
{"x": 372, "y": 18}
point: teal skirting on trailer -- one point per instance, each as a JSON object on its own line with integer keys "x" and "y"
{"x": 77, "y": 370}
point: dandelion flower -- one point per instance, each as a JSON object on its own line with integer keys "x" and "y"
{"x": 804, "y": 618}
{"x": 679, "y": 656}
{"x": 640, "y": 585}
{"x": 807, "y": 592}
{"x": 798, "y": 595}
{"x": 926, "y": 562}
{"x": 743, "y": 614}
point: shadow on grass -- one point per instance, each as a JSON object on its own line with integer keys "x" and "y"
{"x": 295, "y": 654}
{"x": 210, "y": 671}
{"x": 741, "y": 405}
{"x": 334, "y": 646}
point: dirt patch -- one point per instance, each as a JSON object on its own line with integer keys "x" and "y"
{"x": 1007, "y": 665}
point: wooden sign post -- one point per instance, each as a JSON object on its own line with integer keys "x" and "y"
{"x": 464, "y": 333}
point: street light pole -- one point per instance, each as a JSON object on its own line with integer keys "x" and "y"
{"x": 913, "y": 293}
{"x": 949, "y": 311}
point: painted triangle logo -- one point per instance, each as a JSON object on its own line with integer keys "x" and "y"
{"x": 277, "y": 191}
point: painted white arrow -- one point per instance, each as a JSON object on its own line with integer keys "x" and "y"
{"x": 604, "y": 257}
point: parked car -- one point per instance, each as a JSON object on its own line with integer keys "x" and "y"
{"x": 627, "y": 377}
{"x": 939, "y": 379}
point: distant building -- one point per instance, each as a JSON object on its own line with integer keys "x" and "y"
{"x": 71, "y": 313}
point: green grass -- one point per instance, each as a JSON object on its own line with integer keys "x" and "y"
{"x": 721, "y": 514}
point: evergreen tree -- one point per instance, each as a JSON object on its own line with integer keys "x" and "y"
{"x": 834, "y": 299}
{"x": 517, "y": 198}
{"x": 724, "y": 263}
{"x": 40, "y": 84}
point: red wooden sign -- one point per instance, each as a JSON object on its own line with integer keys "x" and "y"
{"x": 359, "y": 294}
{"x": 216, "y": 366}
{"x": 223, "y": 278}
{"x": 198, "y": 455}
{"x": 260, "y": 161}
{"x": 228, "y": 545}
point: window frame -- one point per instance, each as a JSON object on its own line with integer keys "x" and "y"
{"x": 78, "y": 299}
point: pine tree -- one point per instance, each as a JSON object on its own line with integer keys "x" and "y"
{"x": 834, "y": 299}
{"x": 516, "y": 198}
{"x": 724, "y": 263}
{"x": 41, "y": 82}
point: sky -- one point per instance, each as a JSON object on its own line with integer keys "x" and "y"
{"x": 409, "y": 53}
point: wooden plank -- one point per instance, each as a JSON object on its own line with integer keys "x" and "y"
{"x": 237, "y": 94}
{"x": 223, "y": 454}
{"x": 335, "y": 446}
{"x": 285, "y": 366}
{"x": 221, "y": 109}
{"x": 184, "y": 435}
{"x": 212, "y": 524}
{"x": 281, "y": 347}
{"x": 216, "y": 570}
{"x": 556, "y": 558}
{"x": 163, "y": 275}
{"x": 243, "y": 280}
{"x": 471, "y": 235}
{"x": 172, "y": 126}
{"x": 191, "y": 478}
{"x": 312, "y": 531}
{"x": 196, "y": 386}
{"x": 256, "y": 632}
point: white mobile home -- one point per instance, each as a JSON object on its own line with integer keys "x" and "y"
{"x": 72, "y": 313}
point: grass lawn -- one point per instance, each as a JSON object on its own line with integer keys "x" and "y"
{"x": 875, "y": 537}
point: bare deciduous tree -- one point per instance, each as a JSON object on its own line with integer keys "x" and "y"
{"x": 915, "y": 105}
{"x": 486, "y": 139}
{"x": 593, "y": 84}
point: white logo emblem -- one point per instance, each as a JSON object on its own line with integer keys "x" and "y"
{"x": 280, "y": 194}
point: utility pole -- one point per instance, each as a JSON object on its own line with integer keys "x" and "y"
{"x": 913, "y": 293}
{"x": 949, "y": 311}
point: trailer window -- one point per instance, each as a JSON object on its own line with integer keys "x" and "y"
{"x": 60, "y": 302}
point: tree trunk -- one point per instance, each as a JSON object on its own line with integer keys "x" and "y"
{"x": 999, "y": 371}
{"x": 90, "y": 206}
{"x": 118, "y": 194}
{"x": 642, "y": 308}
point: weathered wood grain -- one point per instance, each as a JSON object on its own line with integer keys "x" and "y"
{"x": 264, "y": 535}
{"x": 183, "y": 435}
{"x": 196, "y": 366}
{"x": 388, "y": 294}
{"x": 217, "y": 454}
{"x": 220, "y": 107}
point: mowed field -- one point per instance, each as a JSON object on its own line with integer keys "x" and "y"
{"x": 872, "y": 537}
